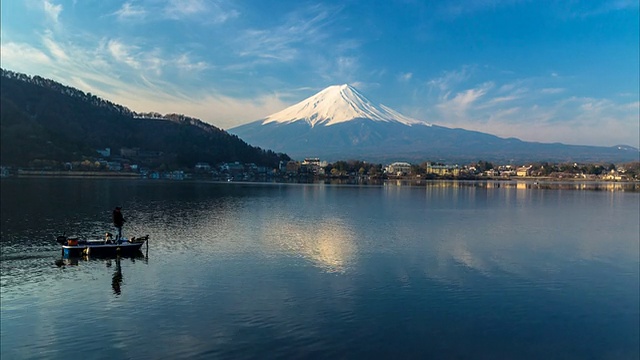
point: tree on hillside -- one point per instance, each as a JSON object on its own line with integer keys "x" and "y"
{"x": 45, "y": 120}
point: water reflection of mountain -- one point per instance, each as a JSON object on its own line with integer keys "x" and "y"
{"x": 328, "y": 243}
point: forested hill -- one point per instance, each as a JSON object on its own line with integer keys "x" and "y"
{"x": 44, "y": 120}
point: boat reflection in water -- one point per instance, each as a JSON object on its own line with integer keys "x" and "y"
{"x": 67, "y": 260}
{"x": 116, "y": 277}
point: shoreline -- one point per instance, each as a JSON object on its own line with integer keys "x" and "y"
{"x": 115, "y": 175}
{"x": 68, "y": 174}
{"x": 104, "y": 174}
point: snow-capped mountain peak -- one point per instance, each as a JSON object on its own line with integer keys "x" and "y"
{"x": 337, "y": 104}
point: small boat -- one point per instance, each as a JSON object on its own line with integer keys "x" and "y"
{"x": 73, "y": 246}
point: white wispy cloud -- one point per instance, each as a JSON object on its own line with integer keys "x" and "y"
{"x": 346, "y": 67}
{"x": 152, "y": 61}
{"x": 180, "y": 8}
{"x": 552, "y": 90}
{"x": 123, "y": 53}
{"x": 140, "y": 85}
{"x": 450, "y": 79}
{"x": 55, "y": 50}
{"x": 311, "y": 37}
{"x": 229, "y": 112}
{"x": 208, "y": 105}
{"x": 360, "y": 85}
{"x": 129, "y": 11}
{"x": 456, "y": 8}
{"x": 507, "y": 87}
{"x": 221, "y": 14}
{"x": 266, "y": 44}
{"x": 458, "y": 105}
{"x": 564, "y": 9}
{"x": 575, "y": 120}
{"x": 213, "y": 11}
{"x": 15, "y": 53}
{"x": 502, "y": 99}
{"x": 52, "y": 10}
{"x": 596, "y": 8}
{"x": 302, "y": 30}
{"x": 522, "y": 108}
{"x": 404, "y": 77}
{"x": 183, "y": 62}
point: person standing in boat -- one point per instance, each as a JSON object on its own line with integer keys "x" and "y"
{"x": 118, "y": 221}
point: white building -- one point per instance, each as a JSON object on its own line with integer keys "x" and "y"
{"x": 203, "y": 166}
{"x": 398, "y": 168}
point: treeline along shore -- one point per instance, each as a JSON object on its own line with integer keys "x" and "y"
{"x": 313, "y": 169}
{"x": 93, "y": 174}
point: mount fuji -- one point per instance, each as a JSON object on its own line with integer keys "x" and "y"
{"x": 337, "y": 104}
{"x": 339, "y": 123}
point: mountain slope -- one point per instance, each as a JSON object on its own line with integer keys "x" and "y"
{"x": 42, "y": 119}
{"x": 339, "y": 123}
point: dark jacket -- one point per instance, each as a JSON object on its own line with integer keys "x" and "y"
{"x": 118, "y": 219}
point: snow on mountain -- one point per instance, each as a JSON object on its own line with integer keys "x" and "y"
{"x": 337, "y": 104}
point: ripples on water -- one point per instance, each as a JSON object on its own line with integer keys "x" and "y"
{"x": 441, "y": 270}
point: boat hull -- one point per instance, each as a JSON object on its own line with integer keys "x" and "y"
{"x": 123, "y": 249}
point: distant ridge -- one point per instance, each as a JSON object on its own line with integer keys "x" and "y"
{"x": 340, "y": 123}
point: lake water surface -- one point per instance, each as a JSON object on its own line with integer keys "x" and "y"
{"x": 235, "y": 271}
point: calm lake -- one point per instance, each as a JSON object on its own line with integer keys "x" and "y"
{"x": 442, "y": 270}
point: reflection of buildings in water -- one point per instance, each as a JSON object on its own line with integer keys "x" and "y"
{"x": 327, "y": 243}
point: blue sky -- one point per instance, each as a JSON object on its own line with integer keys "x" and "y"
{"x": 549, "y": 71}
